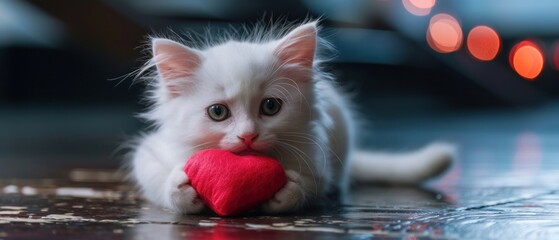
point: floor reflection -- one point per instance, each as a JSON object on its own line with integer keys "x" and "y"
{"x": 380, "y": 197}
{"x": 504, "y": 184}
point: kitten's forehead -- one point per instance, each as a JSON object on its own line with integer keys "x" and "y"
{"x": 239, "y": 58}
{"x": 239, "y": 68}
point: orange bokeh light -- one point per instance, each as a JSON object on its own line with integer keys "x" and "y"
{"x": 419, "y": 7}
{"x": 444, "y": 34}
{"x": 483, "y": 43}
{"x": 526, "y": 58}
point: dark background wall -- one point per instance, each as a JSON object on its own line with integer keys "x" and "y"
{"x": 66, "y": 98}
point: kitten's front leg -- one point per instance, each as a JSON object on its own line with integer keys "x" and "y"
{"x": 181, "y": 195}
{"x": 289, "y": 198}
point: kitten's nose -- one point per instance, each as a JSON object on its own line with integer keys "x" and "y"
{"x": 248, "y": 138}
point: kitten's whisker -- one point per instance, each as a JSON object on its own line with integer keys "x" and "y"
{"x": 306, "y": 162}
{"x": 199, "y": 147}
{"x": 277, "y": 154}
{"x": 292, "y": 83}
{"x": 295, "y": 85}
{"x": 311, "y": 141}
{"x": 284, "y": 91}
{"x": 316, "y": 142}
{"x": 279, "y": 67}
{"x": 310, "y": 137}
{"x": 295, "y": 155}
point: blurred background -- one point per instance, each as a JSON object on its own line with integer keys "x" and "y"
{"x": 429, "y": 67}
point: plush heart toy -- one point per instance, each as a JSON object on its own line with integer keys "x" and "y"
{"x": 231, "y": 184}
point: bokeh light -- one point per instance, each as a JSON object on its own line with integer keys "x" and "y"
{"x": 526, "y": 58}
{"x": 444, "y": 34}
{"x": 483, "y": 43}
{"x": 419, "y": 7}
{"x": 528, "y": 155}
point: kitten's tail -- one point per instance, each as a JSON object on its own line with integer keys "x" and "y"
{"x": 402, "y": 168}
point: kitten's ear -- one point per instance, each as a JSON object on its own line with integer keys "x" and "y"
{"x": 298, "y": 46}
{"x": 175, "y": 63}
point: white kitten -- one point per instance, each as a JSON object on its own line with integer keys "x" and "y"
{"x": 266, "y": 96}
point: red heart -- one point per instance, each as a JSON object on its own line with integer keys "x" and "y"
{"x": 230, "y": 184}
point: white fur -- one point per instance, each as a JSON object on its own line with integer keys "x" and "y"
{"x": 312, "y": 136}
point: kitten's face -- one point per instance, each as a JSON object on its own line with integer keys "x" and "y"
{"x": 246, "y": 101}
{"x": 243, "y": 97}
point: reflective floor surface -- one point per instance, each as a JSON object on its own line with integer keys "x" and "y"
{"x": 504, "y": 185}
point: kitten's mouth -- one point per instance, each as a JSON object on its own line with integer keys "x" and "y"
{"x": 248, "y": 151}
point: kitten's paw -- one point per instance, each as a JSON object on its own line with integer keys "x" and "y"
{"x": 185, "y": 199}
{"x": 182, "y": 196}
{"x": 287, "y": 199}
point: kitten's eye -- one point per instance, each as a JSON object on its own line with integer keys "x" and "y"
{"x": 270, "y": 106}
{"x": 218, "y": 112}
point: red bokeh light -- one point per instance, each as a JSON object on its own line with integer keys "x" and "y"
{"x": 483, "y": 43}
{"x": 527, "y": 59}
{"x": 444, "y": 33}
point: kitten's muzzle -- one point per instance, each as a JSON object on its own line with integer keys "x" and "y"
{"x": 249, "y": 138}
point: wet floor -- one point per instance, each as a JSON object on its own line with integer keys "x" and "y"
{"x": 504, "y": 185}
